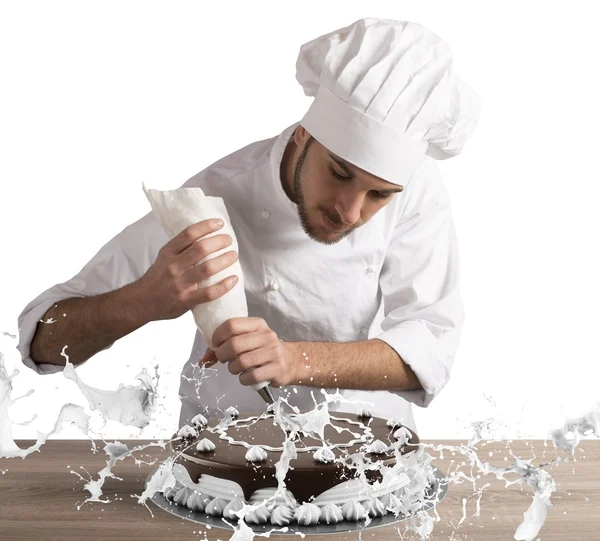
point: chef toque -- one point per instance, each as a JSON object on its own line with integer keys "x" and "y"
{"x": 385, "y": 96}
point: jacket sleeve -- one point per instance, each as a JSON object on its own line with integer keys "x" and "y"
{"x": 419, "y": 281}
{"x": 122, "y": 260}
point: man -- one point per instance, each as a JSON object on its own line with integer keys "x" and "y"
{"x": 346, "y": 243}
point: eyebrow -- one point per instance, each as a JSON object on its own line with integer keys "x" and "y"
{"x": 351, "y": 174}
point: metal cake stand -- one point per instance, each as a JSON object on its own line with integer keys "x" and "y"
{"x": 435, "y": 494}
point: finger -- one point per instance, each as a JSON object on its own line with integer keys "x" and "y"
{"x": 266, "y": 372}
{"x": 202, "y": 249}
{"x": 192, "y": 233}
{"x": 247, "y": 361}
{"x": 199, "y": 273}
{"x": 209, "y": 359}
{"x": 206, "y": 364}
{"x": 194, "y": 296}
{"x": 236, "y": 326}
{"x": 242, "y": 343}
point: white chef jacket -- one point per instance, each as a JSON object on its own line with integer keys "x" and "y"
{"x": 396, "y": 278}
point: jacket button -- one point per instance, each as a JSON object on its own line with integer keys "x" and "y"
{"x": 274, "y": 285}
{"x": 266, "y": 214}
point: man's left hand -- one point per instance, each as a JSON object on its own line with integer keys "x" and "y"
{"x": 253, "y": 351}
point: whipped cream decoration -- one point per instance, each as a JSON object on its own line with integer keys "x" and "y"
{"x": 187, "y": 431}
{"x": 324, "y": 455}
{"x": 232, "y": 412}
{"x": 331, "y": 513}
{"x": 215, "y": 487}
{"x": 282, "y": 515}
{"x": 170, "y": 494}
{"x": 307, "y": 514}
{"x": 377, "y": 447}
{"x": 274, "y": 496}
{"x": 390, "y": 502}
{"x": 401, "y": 493}
{"x": 182, "y": 496}
{"x": 205, "y": 446}
{"x": 341, "y": 493}
{"x": 353, "y": 511}
{"x": 232, "y": 507}
{"x": 256, "y": 454}
{"x": 375, "y": 508}
{"x": 199, "y": 421}
{"x": 258, "y": 515}
{"x": 216, "y": 507}
{"x": 198, "y": 502}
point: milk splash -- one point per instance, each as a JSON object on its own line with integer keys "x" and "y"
{"x": 128, "y": 405}
{"x": 8, "y": 448}
{"x": 133, "y": 406}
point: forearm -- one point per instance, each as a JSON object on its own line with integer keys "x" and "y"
{"x": 367, "y": 365}
{"x": 87, "y": 325}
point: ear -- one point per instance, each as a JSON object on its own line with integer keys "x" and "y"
{"x": 301, "y": 136}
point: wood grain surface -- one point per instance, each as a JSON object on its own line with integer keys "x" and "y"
{"x": 39, "y": 497}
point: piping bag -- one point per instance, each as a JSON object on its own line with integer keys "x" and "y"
{"x": 180, "y": 208}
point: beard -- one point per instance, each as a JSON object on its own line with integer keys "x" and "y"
{"x": 312, "y": 232}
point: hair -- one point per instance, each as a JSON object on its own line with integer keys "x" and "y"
{"x": 307, "y": 145}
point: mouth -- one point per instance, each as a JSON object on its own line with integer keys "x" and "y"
{"x": 331, "y": 226}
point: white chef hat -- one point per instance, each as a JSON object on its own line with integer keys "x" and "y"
{"x": 385, "y": 95}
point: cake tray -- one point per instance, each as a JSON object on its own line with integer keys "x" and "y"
{"x": 436, "y": 493}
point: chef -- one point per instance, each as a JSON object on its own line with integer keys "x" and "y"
{"x": 346, "y": 243}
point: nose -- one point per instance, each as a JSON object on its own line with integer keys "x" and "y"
{"x": 349, "y": 208}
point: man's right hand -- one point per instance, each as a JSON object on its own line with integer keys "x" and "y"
{"x": 170, "y": 286}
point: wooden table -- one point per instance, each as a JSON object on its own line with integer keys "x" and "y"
{"x": 39, "y": 498}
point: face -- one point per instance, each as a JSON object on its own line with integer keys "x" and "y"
{"x": 333, "y": 196}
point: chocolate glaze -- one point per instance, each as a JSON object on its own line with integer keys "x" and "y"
{"x": 308, "y": 478}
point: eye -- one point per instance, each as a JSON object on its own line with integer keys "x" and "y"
{"x": 338, "y": 175}
{"x": 379, "y": 195}
{"x": 375, "y": 194}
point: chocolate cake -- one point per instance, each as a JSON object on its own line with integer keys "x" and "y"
{"x": 227, "y": 463}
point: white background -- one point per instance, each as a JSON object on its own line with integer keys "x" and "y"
{"x": 97, "y": 97}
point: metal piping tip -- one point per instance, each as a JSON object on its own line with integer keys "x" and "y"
{"x": 266, "y": 394}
